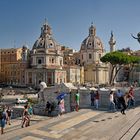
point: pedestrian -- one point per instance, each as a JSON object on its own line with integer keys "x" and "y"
{"x": 119, "y": 95}
{"x": 92, "y": 97}
{"x": 77, "y": 100}
{"x": 48, "y": 108}
{"x": 97, "y": 99}
{"x": 9, "y": 113}
{"x": 111, "y": 100}
{"x": 30, "y": 110}
{"x": 25, "y": 117}
{"x": 123, "y": 102}
{"x": 2, "y": 119}
{"x": 115, "y": 100}
{"x": 131, "y": 101}
{"x": 61, "y": 105}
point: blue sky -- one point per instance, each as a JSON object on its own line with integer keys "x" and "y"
{"x": 21, "y": 20}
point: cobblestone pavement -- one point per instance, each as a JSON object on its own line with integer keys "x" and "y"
{"x": 87, "y": 124}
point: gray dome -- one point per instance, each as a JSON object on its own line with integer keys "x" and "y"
{"x": 45, "y": 40}
{"x": 92, "y": 41}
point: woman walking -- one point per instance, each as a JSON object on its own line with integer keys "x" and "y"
{"x": 97, "y": 99}
{"x": 61, "y": 105}
{"x": 26, "y": 117}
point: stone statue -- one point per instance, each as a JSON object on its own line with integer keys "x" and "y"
{"x": 138, "y": 37}
{"x": 42, "y": 86}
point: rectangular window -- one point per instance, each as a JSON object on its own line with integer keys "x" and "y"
{"x": 40, "y": 60}
{"x": 30, "y": 80}
{"x": 99, "y": 56}
{"x": 90, "y": 56}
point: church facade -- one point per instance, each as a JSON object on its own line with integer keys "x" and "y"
{"x": 91, "y": 51}
{"x": 46, "y": 60}
{"x": 53, "y": 63}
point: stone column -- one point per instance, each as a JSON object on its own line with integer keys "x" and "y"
{"x": 34, "y": 75}
{"x": 26, "y": 77}
{"x": 96, "y": 73}
{"x": 33, "y": 78}
{"x": 52, "y": 81}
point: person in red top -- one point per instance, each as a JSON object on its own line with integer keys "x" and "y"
{"x": 97, "y": 99}
{"x": 131, "y": 101}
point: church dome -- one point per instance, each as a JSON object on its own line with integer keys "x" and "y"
{"x": 92, "y": 42}
{"x": 45, "y": 40}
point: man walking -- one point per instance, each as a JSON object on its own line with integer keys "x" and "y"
{"x": 92, "y": 97}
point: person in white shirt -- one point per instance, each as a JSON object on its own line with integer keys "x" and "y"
{"x": 111, "y": 99}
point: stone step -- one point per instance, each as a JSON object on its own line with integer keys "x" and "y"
{"x": 87, "y": 124}
{"x": 16, "y": 123}
{"x": 38, "y": 121}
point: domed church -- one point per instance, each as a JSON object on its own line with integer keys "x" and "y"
{"x": 91, "y": 51}
{"x": 46, "y": 60}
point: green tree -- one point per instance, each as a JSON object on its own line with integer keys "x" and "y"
{"x": 118, "y": 60}
{"x": 134, "y": 62}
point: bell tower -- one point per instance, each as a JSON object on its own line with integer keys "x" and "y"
{"x": 46, "y": 30}
{"x": 92, "y": 30}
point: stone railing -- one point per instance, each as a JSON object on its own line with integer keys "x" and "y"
{"x": 50, "y": 94}
{"x": 17, "y": 112}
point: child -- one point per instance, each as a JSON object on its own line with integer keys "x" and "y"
{"x": 9, "y": 113}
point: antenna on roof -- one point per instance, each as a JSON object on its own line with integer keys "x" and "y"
{"x": 14, "y": 44}
{"x": 46, "y": 21}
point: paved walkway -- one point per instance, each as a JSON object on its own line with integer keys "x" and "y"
{"x": 87, "y": 124}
